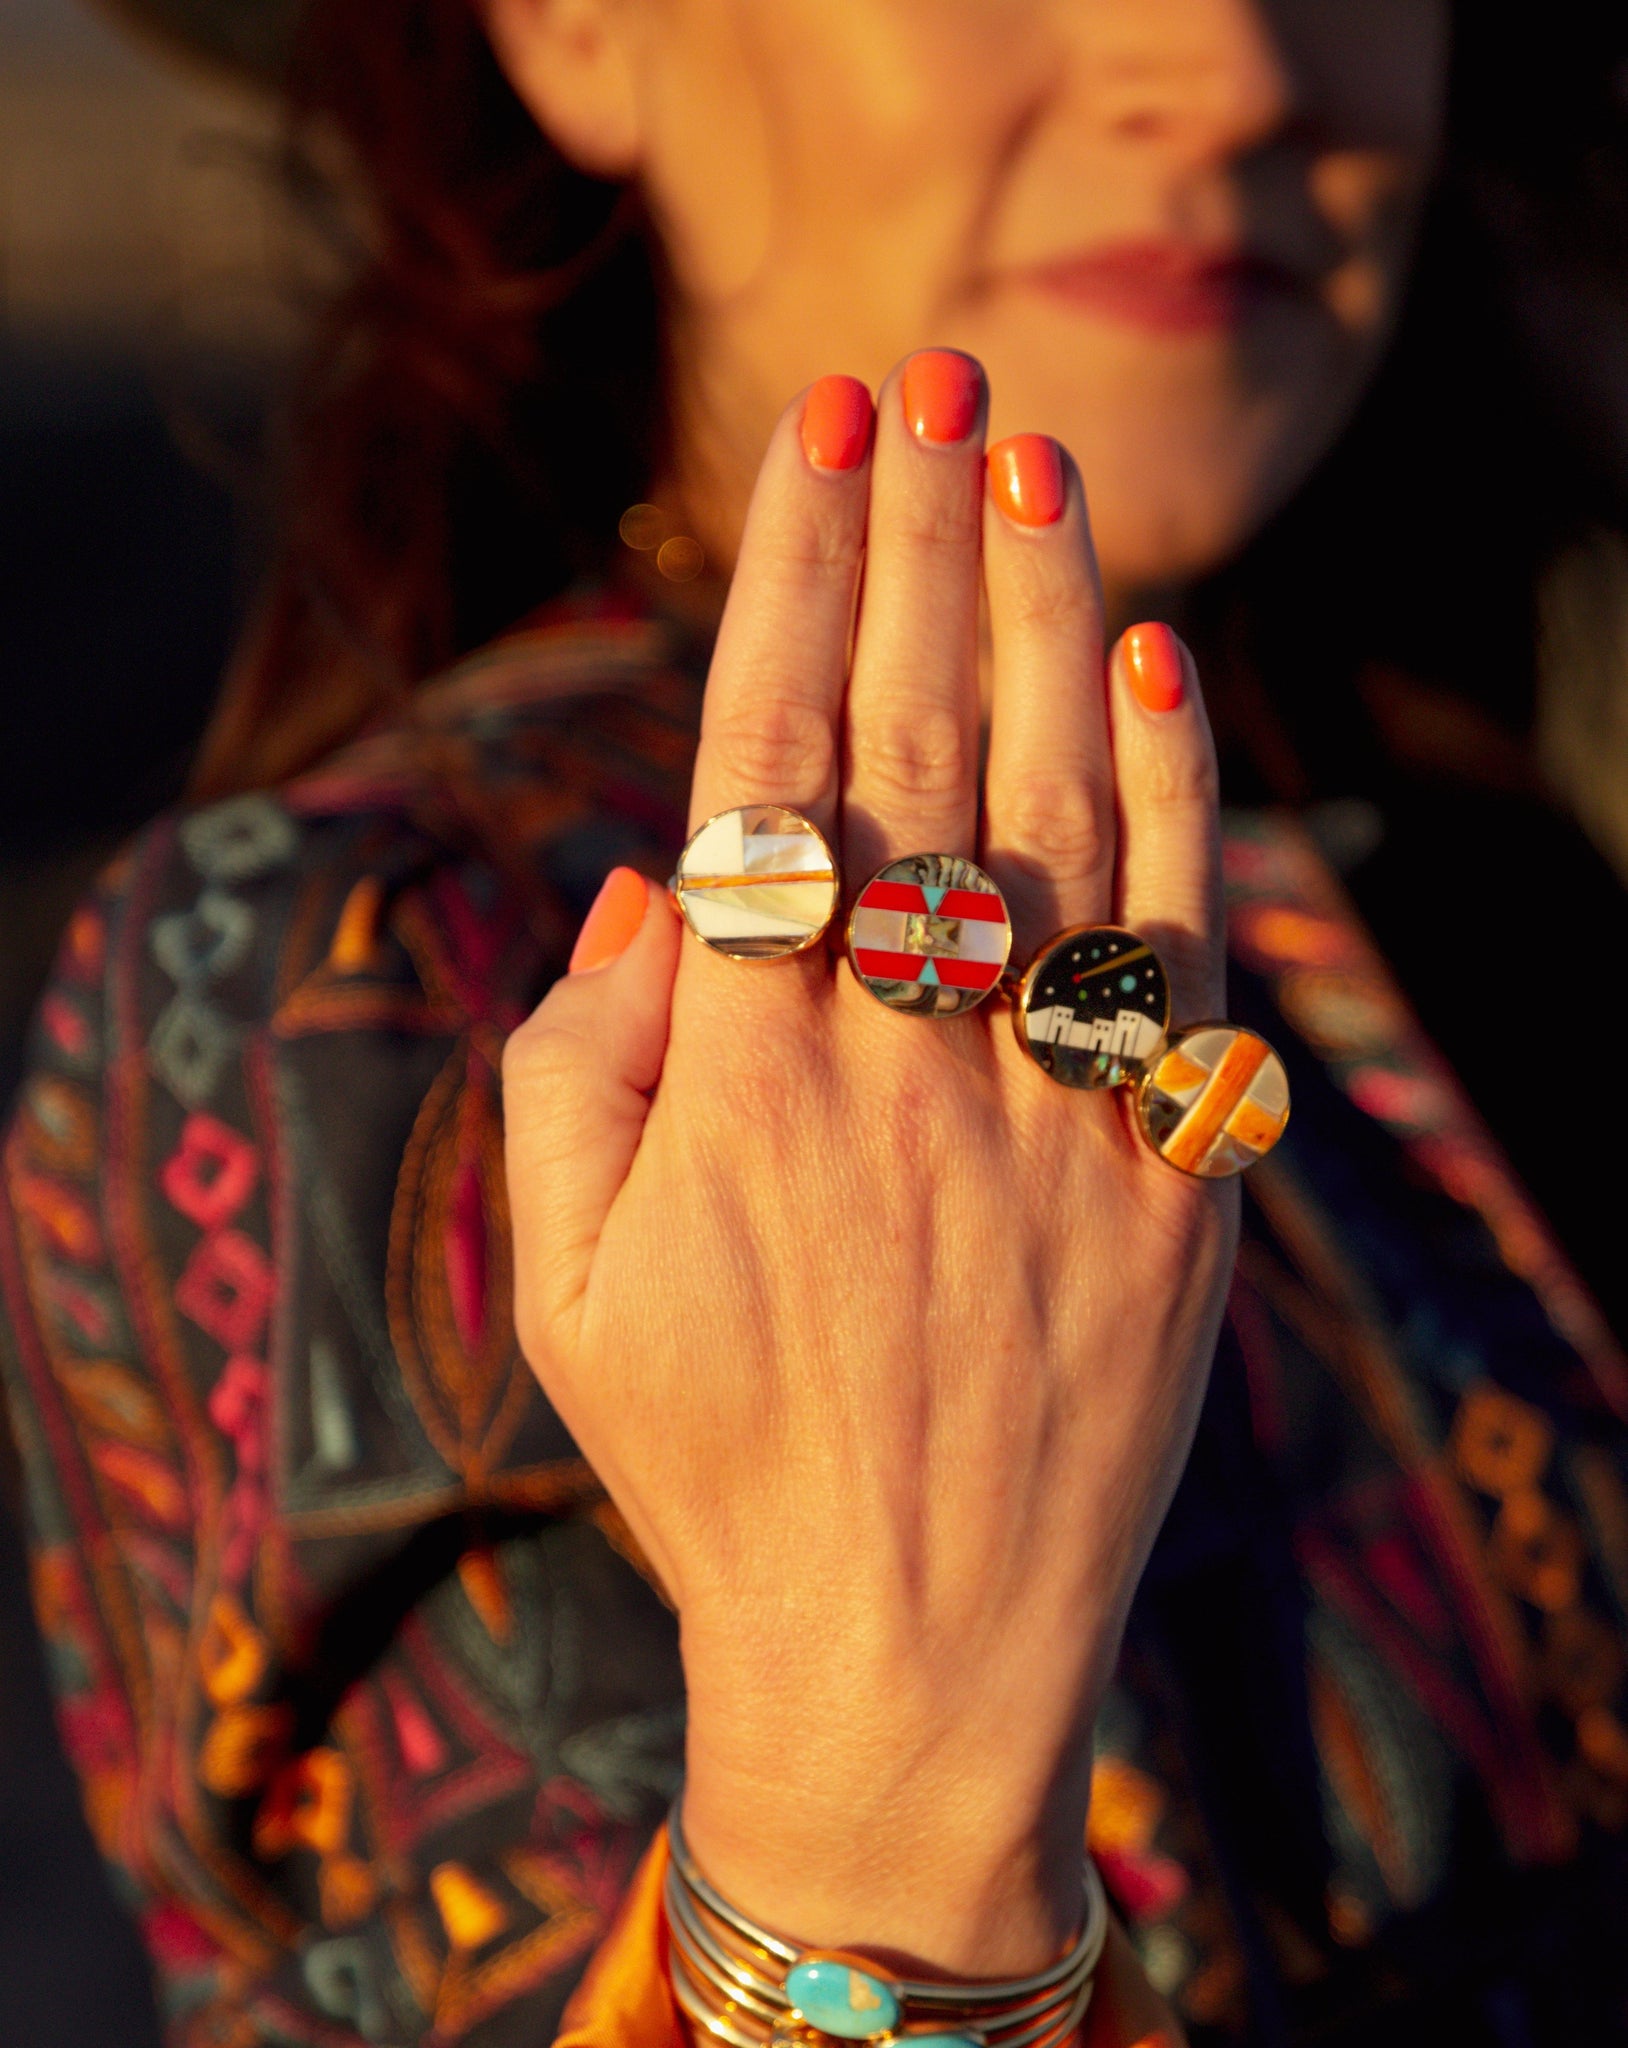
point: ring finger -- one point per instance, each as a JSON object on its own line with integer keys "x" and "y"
{"x": 1049, "y": 826}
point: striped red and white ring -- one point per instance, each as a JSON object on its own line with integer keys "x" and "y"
{"x": 929, "y": 935}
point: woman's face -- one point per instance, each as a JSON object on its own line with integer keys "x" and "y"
{"x": 1174, "y": 231}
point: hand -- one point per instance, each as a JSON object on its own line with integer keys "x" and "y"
{"x": 889, "y": 1348}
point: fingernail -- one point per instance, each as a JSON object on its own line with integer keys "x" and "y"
{"x": 1153, "y": 664}
{"x": 617, "y": 913}
{"x": 941, "y": 388}
{"x": 836, "y": 423}
{"x": 1026, "y": 479}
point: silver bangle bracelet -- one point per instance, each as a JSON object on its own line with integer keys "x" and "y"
{"x": 751, "y": 1988}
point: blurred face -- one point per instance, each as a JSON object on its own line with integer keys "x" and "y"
{"x": 1174, "y": 231}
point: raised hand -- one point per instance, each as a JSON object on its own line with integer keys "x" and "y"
{"x": 889, "y": 1348}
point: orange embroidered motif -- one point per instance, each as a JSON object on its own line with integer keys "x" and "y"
{"x": 307, "y": 1806}
{"x": 1499, "y": 1443}
{"x": 471, "y": 1915}
{"x": 232, "y": 1656}
{"x": 241, "y": 1749}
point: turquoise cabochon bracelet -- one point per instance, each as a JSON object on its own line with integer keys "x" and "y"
{"x": 751, "y": 1988}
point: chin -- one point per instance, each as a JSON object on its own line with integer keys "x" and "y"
{"x": 1185, "y": 451}
{"x": 1166, "y": 515}
{"x": 1164, "y": 547}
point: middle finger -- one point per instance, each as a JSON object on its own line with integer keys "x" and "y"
{"x": 912, "y": 710}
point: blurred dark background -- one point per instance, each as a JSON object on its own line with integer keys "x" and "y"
{"x": 145, "y": 324}
{"x": 151, "y": 282}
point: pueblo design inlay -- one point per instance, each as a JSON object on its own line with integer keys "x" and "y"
{"x": 757, "y": 883}
{"x": 1215, "y": 1100}
{"x": 929, "y": 935}
{"x": 1093, "y": 1007}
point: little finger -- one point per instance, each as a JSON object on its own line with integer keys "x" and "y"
{"x": 1169, "y": 816}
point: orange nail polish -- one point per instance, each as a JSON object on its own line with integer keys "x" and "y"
{"x": 836, "y": 423}
{"x": 941, "y": 388}
{"x": 617, "y": 913}
{"x": 1026, "y": 479}
{"x": 1153, "y": 664}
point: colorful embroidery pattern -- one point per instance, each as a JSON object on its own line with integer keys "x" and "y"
{"x": 371, "y": 1708}
{"x": 308, "y": 1540}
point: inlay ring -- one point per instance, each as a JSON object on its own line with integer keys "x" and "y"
{"x": 929, "y": 935}
{"x": 1094, "y": 1006}
{"x": 757, "y": 883}
{"x": 1215, "y": 1101}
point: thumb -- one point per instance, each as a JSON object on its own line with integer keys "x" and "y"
{"x": 577, "y": 1077}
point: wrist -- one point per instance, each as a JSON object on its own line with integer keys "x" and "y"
{"x": 852, "y": 1816}
{"x": 727, "y": 1967}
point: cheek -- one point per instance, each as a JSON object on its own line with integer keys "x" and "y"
{"x": 810, "y": 131}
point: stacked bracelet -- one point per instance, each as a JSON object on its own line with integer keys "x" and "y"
{"x": 748, "y": 1987}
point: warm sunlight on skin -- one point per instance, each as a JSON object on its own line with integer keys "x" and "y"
{"x": 1175, "y": 232}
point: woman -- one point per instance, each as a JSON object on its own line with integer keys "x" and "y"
{"x": 887, "y": 1352}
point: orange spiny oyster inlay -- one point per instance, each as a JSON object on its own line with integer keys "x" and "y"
{"x": 1215, "y": 1101}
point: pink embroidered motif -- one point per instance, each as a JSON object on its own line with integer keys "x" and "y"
{"x": 422, "y": 1750}
{"x": 237, "y": 1406}
{"x": 227, "y": 1289}
{"x": 466, "y": 1254}
{"x": 211, "y": 1173}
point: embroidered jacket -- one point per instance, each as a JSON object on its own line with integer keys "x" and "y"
{"x": 373, "y": 1708}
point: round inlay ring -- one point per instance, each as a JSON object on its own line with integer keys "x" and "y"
{"x": 758, "y": 883}
{"x": 1214, "y": 1101}
{"x": 1094, "y": 1006}
{"x": 929, "y": 935}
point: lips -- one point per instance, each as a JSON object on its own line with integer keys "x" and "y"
{"x": 1166, "y": 287}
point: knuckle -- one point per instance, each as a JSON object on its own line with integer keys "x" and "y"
{"x": 535, "y": 1056}
{"x": 1179, "y": 779}
{"x": 928, "y": 757}
{"x": 939, "y": 522}
{"x": 780, "y": 750}
{"x": 522, "y": 1054}
{"x": 815, "y": 550}
{"x": 1052, "y": 606}
{"x": 1066, "y": 822}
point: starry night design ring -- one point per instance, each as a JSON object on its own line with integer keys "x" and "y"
{"x": 929, "y": 935}
{"x": 1094, "y": 1006}
{"x": 758, "y": 883}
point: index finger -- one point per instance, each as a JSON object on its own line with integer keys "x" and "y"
{"x": 769, "y": 726}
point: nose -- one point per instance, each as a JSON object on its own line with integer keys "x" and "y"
{"x": 1209, "y": 77}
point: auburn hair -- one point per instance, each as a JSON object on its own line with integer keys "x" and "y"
{"x": 488, "y": 391}
{"x": 481, "y": 400}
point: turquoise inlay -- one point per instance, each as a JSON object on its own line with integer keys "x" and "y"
{"x": 837, "y": 1999}
{"x": 942, "y": 2040}
{"x": 1127, "y": 982}
{"x": 934, "y": 897}
{"x": 928, "y": 977}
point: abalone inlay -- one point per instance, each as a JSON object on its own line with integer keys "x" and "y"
{"x": 930, "y": 935}
{"x": 1093, "y": 1007}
